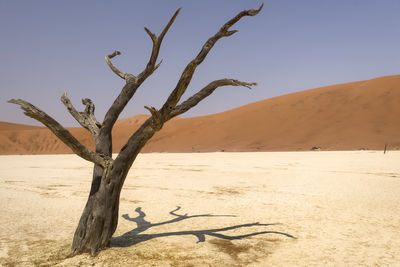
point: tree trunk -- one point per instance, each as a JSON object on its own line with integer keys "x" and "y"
{"x": 100, "y": 217}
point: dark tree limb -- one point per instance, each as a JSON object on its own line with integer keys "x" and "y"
{"x": 86, "y": 118}
{"x": 203, "y": 93}
{"x": 187, "y": 74}
{"x": 119, "y": 104}
{"x": 132, "y": 82}
{"x": 63, "y": 134}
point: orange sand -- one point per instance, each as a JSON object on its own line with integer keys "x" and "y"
{"x": 352, "y": 116}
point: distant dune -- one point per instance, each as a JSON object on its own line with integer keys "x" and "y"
{"x": 351, "y": 116}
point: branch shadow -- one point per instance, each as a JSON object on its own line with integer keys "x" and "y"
{"x": 135, "y": 236}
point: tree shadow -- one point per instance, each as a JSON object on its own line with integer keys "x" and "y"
{"x": 135, "y": 236}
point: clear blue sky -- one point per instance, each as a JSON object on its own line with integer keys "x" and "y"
{"x": 48, "y": 47}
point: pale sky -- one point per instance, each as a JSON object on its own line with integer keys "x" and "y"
{"x": 48, "y": 47}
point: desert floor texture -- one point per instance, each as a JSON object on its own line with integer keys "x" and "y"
{"x": 211, "y": 209}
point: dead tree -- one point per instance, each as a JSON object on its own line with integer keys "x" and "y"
{"x": 99, "y": 219}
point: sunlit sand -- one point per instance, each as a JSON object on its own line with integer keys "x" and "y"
{"x": 218, "y": 209}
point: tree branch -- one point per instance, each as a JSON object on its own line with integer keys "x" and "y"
{"x": 187, "y": 74}
{"x": 156, "y": 121}
{"x": 86, "y": 118}
{"x": 135, "y": 143}
{"x": 151, "y": 67}
{"x": 203, "y": 93}
{"x": 63, "y": 134}
{"x": 132, "y": 82}
{"x": 121, "y": 74}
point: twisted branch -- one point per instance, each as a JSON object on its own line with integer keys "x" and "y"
{"x": 63, "y": 134}
{"x": 121, "y": 74}
{"x": 86, "y": 118}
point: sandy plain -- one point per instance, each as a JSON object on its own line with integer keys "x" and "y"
{"x": 343, "y": 208}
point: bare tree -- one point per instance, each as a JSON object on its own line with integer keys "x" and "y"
{"x": 99, "y": 219}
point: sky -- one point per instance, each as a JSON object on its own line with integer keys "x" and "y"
{"x": 51, "y": 47}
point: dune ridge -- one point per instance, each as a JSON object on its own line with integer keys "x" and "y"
{"x": 350, "y": 116}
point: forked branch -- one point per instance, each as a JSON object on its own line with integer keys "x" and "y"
{"x": 86, "y": 118}
{"x": 132, "y": 82}
{"x": 151, "y": 67}
{"x": 63, "y": 134}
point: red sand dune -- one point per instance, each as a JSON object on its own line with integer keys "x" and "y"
{"x": 357, "y": 115}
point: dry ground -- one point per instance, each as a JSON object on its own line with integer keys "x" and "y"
{"x": 343, "y": 208}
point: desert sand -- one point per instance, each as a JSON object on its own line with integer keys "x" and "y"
{"x": 343, "y": 208}
{"x": 350, "y": 116}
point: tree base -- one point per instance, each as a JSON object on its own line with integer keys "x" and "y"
{"x": 99, "y": 220}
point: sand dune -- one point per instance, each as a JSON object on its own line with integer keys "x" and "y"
{"x": 358, "y": 115}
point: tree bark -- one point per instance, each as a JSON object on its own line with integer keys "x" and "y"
{"x": 99, "y": 219}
